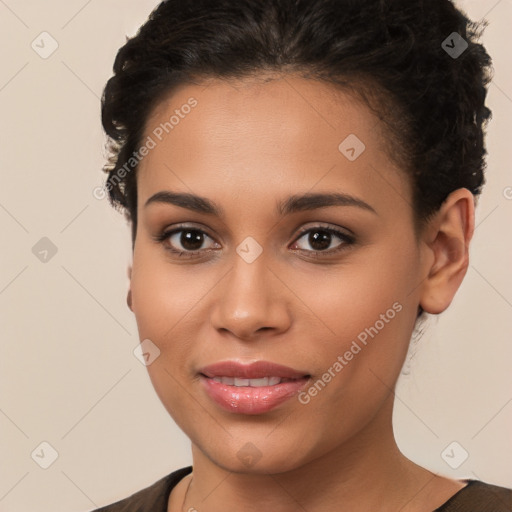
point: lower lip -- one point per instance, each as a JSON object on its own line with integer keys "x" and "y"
{"x": 251, "y": 400}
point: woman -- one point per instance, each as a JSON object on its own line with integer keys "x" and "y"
{"x": 300, "y": 177}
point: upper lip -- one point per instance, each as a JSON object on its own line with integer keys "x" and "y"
{"x": 256, "y": 370}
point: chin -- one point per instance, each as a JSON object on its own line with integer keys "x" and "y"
{"x": 249, "y": 460}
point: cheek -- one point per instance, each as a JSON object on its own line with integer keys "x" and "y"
{"x": 357, "y": 361}
{"x": 164, "y": 304}
{"x": 351, "y": 297}
{"x": 167, "y": 300}
{"x": 164, "y": 293}
{"x": 365, "y": 312}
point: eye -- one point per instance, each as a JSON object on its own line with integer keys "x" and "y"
{"x": 320, "y": 238}
{"x": 185, "y": 241}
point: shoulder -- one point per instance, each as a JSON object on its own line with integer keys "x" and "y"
{"x": 150, "y": 499}
{"x": 479, "y": 496}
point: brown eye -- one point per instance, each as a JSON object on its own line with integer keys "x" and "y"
{"x": 190, "y": 239}
{"x": 185, "y": 241}
{"x": 321, "y": 240}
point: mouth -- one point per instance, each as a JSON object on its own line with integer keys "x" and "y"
{"x": 253, "y": 371}
{"x": 251, "y": 389}
{"x": 253, "y": 383}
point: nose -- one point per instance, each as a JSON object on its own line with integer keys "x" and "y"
{"x": 250, "y": 300}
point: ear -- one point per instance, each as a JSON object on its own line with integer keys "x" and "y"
{"x": 446, "y": 240}
{"x": 129, "y": 296}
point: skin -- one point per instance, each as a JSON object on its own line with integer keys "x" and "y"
{"x": 245, "y": 146}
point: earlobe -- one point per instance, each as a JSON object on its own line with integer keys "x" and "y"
{"x": 448, "y": 242}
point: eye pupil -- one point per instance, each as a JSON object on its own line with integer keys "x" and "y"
{"x": 324, "y": 240}
{"x": 191, "y": 242}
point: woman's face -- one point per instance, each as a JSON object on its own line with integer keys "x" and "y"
{"x": 266, "y": 277}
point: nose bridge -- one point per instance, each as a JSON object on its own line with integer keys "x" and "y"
{"x": 249, "y": 298}
{"x": 248, "y": 287}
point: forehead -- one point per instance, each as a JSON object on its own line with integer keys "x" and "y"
{"x": 262, "y": 138}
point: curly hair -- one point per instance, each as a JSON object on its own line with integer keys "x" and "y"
{"x": 393, "y": 54}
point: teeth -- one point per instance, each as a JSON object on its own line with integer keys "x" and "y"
{"x": 254, "y": 383}
{"x": 225, "y": 380}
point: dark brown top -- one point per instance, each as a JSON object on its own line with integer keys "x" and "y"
{"x": 475, "y": 497}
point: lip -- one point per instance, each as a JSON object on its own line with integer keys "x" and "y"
{"x": 254, "y": 370}
{"x": 247, "y": 399}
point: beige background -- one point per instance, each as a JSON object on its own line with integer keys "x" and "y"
{"x": 68, "y": 374}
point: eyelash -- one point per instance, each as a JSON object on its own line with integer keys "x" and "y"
{"x": 347, "y": 240}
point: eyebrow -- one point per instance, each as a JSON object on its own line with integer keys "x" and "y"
{"x": 292, "y": 204}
